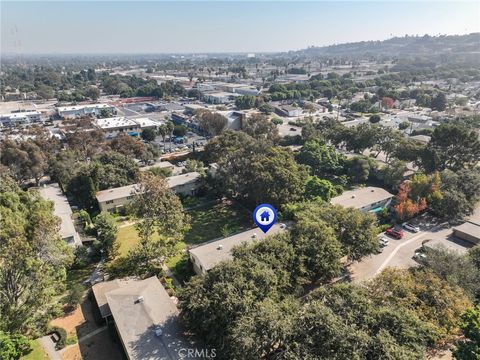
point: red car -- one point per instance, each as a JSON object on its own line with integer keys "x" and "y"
{"x": 396, "y": 233}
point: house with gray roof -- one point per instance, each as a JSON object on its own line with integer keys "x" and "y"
{"x": 61, "y": 209}
{"x": 366, "y": 199}
{"x": 145, "y": 317}
{"x": 208, "y": 255}
{"x": 116, "y": 198}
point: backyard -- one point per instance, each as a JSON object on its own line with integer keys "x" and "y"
{"x": 37, "y": 352}
{"x": 207, "y": 223}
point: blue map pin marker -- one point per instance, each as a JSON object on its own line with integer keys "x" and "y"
{"x": 265, "y": 216}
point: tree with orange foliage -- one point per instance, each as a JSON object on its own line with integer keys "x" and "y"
{"x": 406, "y": 207}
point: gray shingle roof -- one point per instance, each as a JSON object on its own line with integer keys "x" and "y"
{"x": 361, "y": 197}
{"x": 210, "y": 254}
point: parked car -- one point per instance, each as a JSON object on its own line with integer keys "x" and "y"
{"x": 383, "y": 241}
{"x": 293, "y": 129}
{"x": 393, "y": 232}
{"x": 411, "y": 227}
{"x": 420, "y": 256}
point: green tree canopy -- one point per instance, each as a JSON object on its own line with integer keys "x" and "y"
{"x": 452, "y": 146}
{"x": 33, "y": 259}
{"x": 324, "y": 161}
{"x": 106, "y": 229}
{"x": 245, "y": 102}
{"x": 270, "y": 176}
{"x": 469, "y": 348}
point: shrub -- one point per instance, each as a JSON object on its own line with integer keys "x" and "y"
{"x": 277, "y": 121}
{"x": 383, "y": 227}
{"x": 62, "y": 333}
{"x": 81, "y": 257}
{"x": 75, "y": 295}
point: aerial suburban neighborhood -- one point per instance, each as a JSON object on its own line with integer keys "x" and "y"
{"x": 174, "y": 193}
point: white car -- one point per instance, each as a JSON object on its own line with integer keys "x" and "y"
{"x": 420, "y": 256}
{"x": 383, "y": 241}
{"x": 411, "y": 227}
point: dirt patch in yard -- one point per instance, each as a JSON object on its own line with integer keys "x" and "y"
{"x": 78, "y": 322}
{"x": 99, "y": 347}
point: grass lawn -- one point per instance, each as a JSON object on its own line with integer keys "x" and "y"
{"x": 127, "y": 238}
{"x": 78, "y": 276}
{"x": 208, "y": 222}
{"x": 37, "y": 352}
{"x": 216, "y": 220}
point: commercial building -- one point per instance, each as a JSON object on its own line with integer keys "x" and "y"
{"x": 116, "y": 125}
{"x": 52, "y": 192}
{"x": 367, "y": 199}
{"x": 220, "y": 97}
{"x": 235, "y": 119}
{"x": 206, "y": 256}
{"x": 116, "y": 198}
{"x": 131, "y": 126}
{"x": 288, "y": 110}
{"x": 73, "y": 111}
{"x": 145, "y": 317}
{"x": 20, "y": 118}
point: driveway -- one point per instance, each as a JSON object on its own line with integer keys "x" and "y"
{"x": 399, "y": 253}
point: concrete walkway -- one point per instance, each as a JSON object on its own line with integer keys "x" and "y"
{"x": 169, "y": 273}
{"x": 49, "y": 348}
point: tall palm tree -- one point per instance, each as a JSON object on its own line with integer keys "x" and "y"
{"x": 170, "y": 128}
{"x": 162, "y": 130}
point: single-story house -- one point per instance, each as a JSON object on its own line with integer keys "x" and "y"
{"x": 52, "y": 192}
{"x": 366, "y": 199}
{"x": 206, "y": 256}
{"x": 468, "y": 231}
{"x": 116, "y": 198}
{"x": 145, "y": 317}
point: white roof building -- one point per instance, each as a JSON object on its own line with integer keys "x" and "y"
{"x": 73, "y": 111}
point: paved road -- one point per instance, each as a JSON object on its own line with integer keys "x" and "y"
{"x": 399, "y": 253}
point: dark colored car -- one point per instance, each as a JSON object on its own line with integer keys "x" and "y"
{"x": 393, "y": 232}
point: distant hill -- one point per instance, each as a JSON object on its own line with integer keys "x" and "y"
{"x": 408, "y": 46}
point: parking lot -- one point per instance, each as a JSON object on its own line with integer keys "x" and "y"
{"x": 400, "y": 253}
{"x": 186, "y": 145}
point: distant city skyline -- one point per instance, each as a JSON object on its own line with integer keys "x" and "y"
{"x": 123, "y": 27}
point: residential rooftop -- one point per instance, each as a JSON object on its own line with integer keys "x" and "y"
{"x": 116, "y": 193}
{"x": 52, "y": 192}
{"x": 361, "y": 197}
{"x": 146, "y": 320}
{"x": 212, "y": 253}
{"x": 124, "y": 191}
{"x": 183, "y": 179}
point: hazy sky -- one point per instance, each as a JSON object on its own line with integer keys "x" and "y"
{"x": 220, "y": 26}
